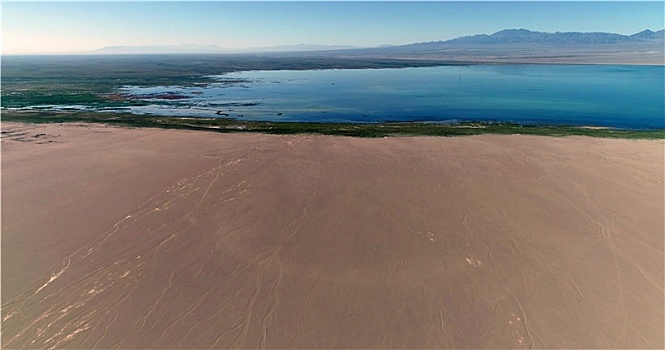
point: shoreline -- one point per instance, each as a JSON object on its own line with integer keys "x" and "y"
{"x": 80, "y": 86}
{"x": 228, "y": 125}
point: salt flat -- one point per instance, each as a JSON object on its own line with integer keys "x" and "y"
{"x": 144, "y": 238}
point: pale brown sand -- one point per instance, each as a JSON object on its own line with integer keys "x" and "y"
{"x": 142, "y": 238}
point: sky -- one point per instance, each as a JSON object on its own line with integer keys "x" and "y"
{"x": 79, "y": 27}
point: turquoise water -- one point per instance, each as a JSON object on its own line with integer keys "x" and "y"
{"x": 613, "y": 96}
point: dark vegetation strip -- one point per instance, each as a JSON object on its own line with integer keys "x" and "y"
{"x": 226, "y": 125}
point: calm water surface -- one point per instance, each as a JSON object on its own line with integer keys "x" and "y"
{"x": 614, "y": 96}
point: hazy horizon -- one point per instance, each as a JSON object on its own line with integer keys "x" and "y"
{"x": 83, "y": 27}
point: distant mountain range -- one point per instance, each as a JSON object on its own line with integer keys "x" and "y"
{"x": 525, "y": 46}
{"x": 524, "y": 36}
{"x": 506, "y": 46}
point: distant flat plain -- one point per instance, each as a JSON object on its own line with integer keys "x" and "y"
{"x": 148, "y": 238}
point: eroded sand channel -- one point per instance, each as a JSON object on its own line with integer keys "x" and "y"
{"x": 143, "y": 238}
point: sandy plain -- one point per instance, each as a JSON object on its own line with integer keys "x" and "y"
{"x": 143, "y": 238}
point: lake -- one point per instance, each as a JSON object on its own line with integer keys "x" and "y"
{"x": 595, "y": 95}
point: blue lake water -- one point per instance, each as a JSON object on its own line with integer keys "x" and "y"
{"x": 613, "y": 96}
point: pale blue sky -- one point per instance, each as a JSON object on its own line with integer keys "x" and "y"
{"x": 29, "y": 27}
